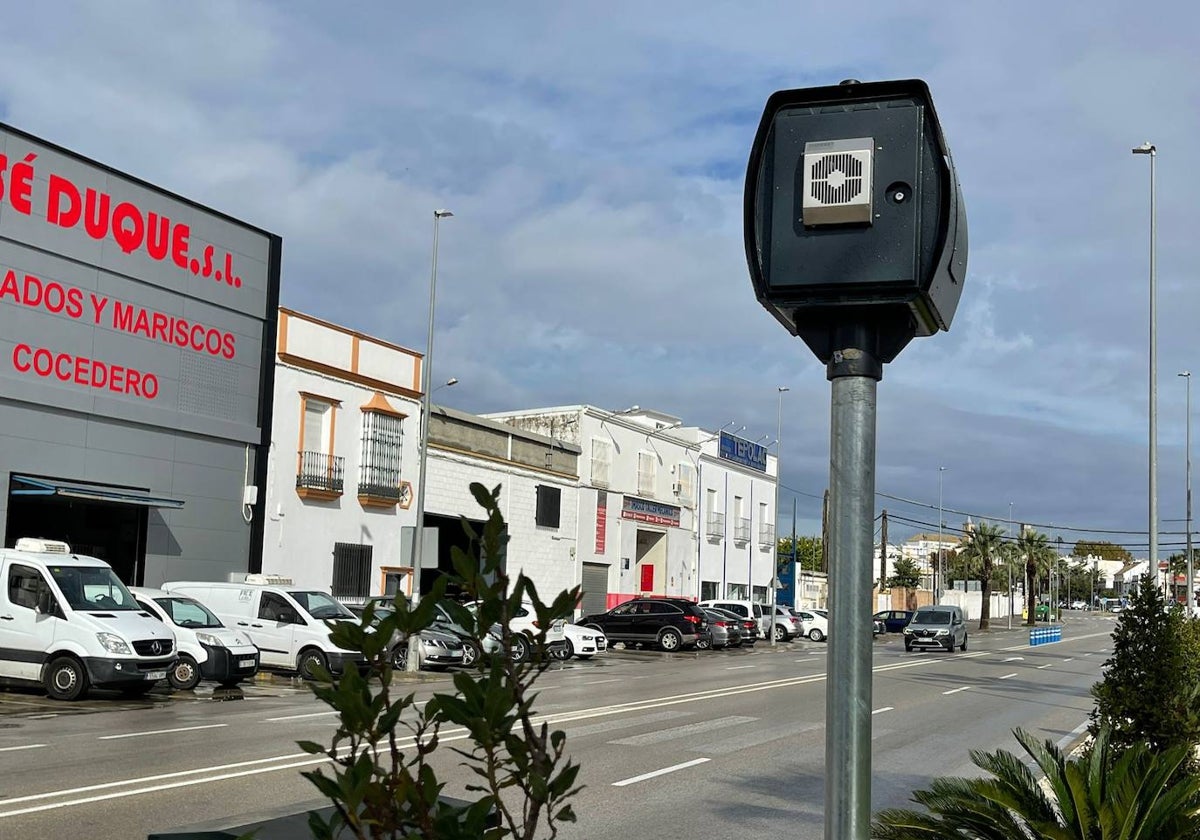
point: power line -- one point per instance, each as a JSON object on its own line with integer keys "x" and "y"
{"x": 1129, "y": 546}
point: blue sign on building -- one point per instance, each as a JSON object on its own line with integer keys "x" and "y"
{"x": 743, "y": 452}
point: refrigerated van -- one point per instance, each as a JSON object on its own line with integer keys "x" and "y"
{"x": 285, "y": 622}
{"x": 68, "y": 623}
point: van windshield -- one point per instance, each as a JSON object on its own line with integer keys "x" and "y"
{"x": 932, "y": 617}
{"x": 93, "y": 589}
{"x": 320, "y": 605}
{"x": 188, "y": 613}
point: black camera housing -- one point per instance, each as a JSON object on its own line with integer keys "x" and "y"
{"x": 885, "y": 260}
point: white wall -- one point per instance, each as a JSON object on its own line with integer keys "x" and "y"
{"x": 546, "y": 555}
{"x": 299, "y": 534}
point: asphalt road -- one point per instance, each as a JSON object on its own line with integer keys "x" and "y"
{"x": 714, "y": 745}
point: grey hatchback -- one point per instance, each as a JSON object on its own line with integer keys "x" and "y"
{"x": 937, "y": 626}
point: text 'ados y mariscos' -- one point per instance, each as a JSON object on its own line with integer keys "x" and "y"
{"x": 132, "y": 228}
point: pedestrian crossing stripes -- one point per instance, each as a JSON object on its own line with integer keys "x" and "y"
{"x": 623, "y": 723}
{"x": 685, "y": 731}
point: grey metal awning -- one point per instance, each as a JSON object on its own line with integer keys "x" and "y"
{"x": 24, "y": 485}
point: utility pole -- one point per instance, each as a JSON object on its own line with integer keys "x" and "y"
{"x": 883, "y": 545}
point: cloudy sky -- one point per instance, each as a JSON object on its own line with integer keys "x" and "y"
{"x": 594, "y": 157}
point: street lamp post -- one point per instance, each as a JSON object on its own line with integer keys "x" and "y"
{"x": 1191, "y": 584}
{"x": 778, "y": 478}
{"x": 1010, "y": 562}
{"x": 418, "y": 541}
{"x": 1149, "y": 149}
{"x": 940, "y": 565}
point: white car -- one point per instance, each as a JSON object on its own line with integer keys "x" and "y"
{"x": 813, "y": 624}
{"x": 207, "y": 648}
{"x": 584, "y": 642}
{"x": 1079, "y": 605}
{"x": 525, "y": 627}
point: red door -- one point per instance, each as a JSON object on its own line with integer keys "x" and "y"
{"x": 647, "y": 578}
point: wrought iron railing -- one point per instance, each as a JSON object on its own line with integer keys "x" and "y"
{"x": 318, "y": 471}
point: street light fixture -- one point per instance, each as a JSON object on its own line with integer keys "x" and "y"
{"x": 418, "y": 541}
{"x": 1191, "y": 584}
{"x": 781, "y": 390}
{"x": 1148, "y": 148}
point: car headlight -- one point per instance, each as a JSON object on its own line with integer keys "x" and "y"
{"x": 588, "y": 638}
{"x": 908, "y": 631}
{"x": 114, "y": 644}
{"x": 942, "y": 632}
{"x": 209, "y": 639}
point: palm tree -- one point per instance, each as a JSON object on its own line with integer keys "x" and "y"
{"x": 1034, "y": 547}
{"x": 1106, "y": 794}
{"x": 983, "y": 545}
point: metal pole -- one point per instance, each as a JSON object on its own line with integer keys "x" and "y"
{"x": 1010, "y": 592}
{"x": 418, "y": 541}
{"x": 1149, "y": 149}
{"x": 941, "y": 568}
{"x": 778, "y": 478}
{"x": 848, "y": 689}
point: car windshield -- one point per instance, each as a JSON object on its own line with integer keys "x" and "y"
{"x": 93, "y": 589}
{"x": 320, "y": 605}
{"x": 188, "y": 613}
{"x": 932, "y": 617}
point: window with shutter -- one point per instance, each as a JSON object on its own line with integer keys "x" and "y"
{"x": 601, "y": 462}
{"x": 647, "y": 473}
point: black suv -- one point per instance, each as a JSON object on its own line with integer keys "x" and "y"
{"x": 670, "y": 623}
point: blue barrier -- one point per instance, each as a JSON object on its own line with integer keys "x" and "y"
{"x": 1045, "y": 635}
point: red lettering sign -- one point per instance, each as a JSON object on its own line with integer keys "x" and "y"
{"x": 84, "y": 372}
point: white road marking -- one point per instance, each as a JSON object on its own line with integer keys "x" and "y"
{"x": 624, "y": 723}
{"x": 1015, "y": 659}
{"x": 739, "y": 667}
{"x": 25, "y": 747}
{"x": 300, "y": 717}
{"x": 685, "y": 731}
{"x": 1087, "y": 654}
{"x": 1008, "y": 676}
{"x": 883, "y": 709}
{"x": 661, "y": 772}
{"x": 956, "y": 690}
{"x": 1071, "y": 659}
{"x": 1047, "y": 665}
{"x": 162, "y": 731}
{"x": 756, "y": 738}
{"x": 601, "y": 682}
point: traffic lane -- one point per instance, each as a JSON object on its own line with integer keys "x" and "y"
{"x": 707, "y": 718}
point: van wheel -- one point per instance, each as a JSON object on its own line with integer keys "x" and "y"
{"x": 185, "y": 675}
{"x": 816, "y": 635}
{"x": 963, "y": 646}
{"x": 309, "y": 662}
{"x": 66, "y": 679}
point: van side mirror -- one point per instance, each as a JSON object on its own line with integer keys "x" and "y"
{"x": 45, "y": 601}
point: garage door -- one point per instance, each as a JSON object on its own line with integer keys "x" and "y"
{"x": 595, "y": 588}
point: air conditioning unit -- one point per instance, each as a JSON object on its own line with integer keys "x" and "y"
{"x": 837, "y": 182}
{"x": 278, "y": 580}
{"x": 676, "y": 488}
{"x": 36, "y": 545}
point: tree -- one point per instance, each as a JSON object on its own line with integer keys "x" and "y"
{"x": 808, "y": 552}
{"x": 983, "y": 547}
{"x": 1035, "y": 550}
{"x": 1151, "y": 683}
{"x": 1106, "y": 794}
{"x": 1102, "y": 549}
{"x": 906, "y": 575}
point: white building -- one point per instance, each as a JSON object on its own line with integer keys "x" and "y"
{"x": 539, "y": 497}
{"x": 343, "y": 450}
{"x": 664, "y": 510}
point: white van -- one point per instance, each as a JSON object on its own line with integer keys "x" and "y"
{"x": 67, "y": 622}
{"x": 207, "y": 648}
{"x": 285, "y": 623}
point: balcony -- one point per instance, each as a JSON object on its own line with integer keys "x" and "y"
{"x": 715, "y": 526}
{"x": 741, "y": 529}
{"x": 766, "y": 535}
{"x": 319, "y": 476}
{"x": 374, "y": 494}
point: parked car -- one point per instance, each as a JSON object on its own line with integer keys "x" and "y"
{"x": 813, "y": 624}
{"x": 581, "y": 642}
{"x": 786, "y": 626}
{"x": 749, "y": 625}
{"x": 1079, "y": 605}
{"x": 525, "y": 629}
{"x": 439, "y": 649}
{"x": 207, "y": 649}
{"x": 937, "y": 626}
{"x": 744, "y": 609}
{"x": 669, "y": 623}
{"x": 69, "y": 624}
{"x": 895, "y": 620}
{"x": 441, "y": 621}
{"x": 725, "y": 630}
{"x": 878, "y": 627}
